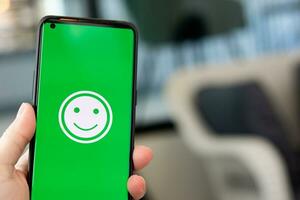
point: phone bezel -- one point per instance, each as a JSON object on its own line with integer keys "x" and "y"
{"x": 94, "y": 22}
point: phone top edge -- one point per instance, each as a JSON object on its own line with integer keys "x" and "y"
{"x": 89, "y": 21}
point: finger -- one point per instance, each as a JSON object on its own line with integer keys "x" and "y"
{"x": 17, "y": 136}
{"x": 136, "y": 186}
{"x": 22, "y": 164}
{"x": 142, "y": 155}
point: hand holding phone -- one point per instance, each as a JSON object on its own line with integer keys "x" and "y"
{"x": 14, "y": 165}
{"x": 84, "y": 95}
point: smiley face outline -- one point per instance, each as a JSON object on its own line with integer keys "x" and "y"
{"x": 73, "y": 136}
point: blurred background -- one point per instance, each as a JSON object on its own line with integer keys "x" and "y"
{"x": 218, "y": 89}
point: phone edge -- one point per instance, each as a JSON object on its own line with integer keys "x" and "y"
{"x": 111, "y": 23}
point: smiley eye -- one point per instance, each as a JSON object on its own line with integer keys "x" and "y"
{"x": 76, "y": 110}
{"x": 96, "y": 111}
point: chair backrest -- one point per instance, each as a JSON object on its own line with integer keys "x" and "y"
{"x": 276, "y": 75}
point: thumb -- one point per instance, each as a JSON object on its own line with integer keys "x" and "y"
{"x": 17, "y": 136}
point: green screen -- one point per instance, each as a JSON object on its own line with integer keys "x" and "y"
{"x": 84, "y": 112}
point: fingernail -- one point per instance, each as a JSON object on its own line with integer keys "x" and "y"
{"x": 21, "y": 110}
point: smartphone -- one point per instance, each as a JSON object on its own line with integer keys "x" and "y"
{"x": 84, "y": 97}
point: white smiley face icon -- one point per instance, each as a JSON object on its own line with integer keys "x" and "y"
{"x": 85, "y": 117}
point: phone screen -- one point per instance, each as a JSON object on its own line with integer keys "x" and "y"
{"x": 84, "y": 104}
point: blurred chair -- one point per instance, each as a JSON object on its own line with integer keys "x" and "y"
{"x": 240, "y": 165}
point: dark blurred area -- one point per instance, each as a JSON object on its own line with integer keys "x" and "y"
{"x": 218, "y": 89}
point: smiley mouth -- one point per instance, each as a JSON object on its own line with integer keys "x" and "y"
{"x": 85, "y": 129}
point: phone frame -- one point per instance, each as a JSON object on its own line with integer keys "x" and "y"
{"x": 91, "y": 22}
